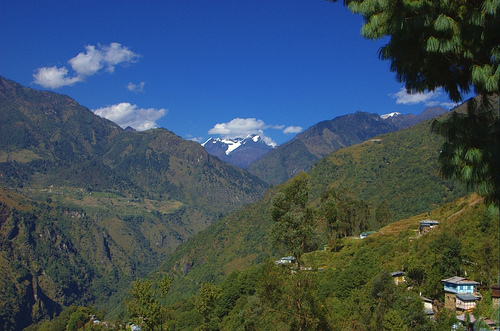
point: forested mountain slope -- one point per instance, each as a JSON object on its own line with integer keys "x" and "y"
{"x": 87, "y": 207}
{"x": 348, "y": 285}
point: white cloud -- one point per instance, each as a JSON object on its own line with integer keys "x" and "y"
{"x": 115, "y": 54}
{"x": 53, "y": 77}
{"x": 192, "y": 138}
{"x": 86, "y": 64}
{"x": 139, "y": 88}
{"x": 293, "y": 129}
{"x": 242, "y": 127}
{"x": 268, "y": 141}
{"x": 427, "y": 98}
{"x": 405, "y": 98}
{"x": 124, "y": 114}
{"x": 238, "y": 127}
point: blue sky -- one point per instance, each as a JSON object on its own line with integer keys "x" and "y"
{"x": 207, "y": 68}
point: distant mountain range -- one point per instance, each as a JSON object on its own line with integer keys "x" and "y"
{"x": 308, "y": 147}
{"x": 240, "y": 152}
{"x": 404, "y": 121}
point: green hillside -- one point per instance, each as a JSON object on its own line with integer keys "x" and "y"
{"x": 399, "y": 169}
{"x": 348, "y": 286}
{"x": 88, "y": 207}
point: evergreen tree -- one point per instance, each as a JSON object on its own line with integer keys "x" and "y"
{"x": 471, "y": 151}
{"x": 454, "y": 44}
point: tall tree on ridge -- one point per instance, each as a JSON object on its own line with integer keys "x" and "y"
{"x": 294, "y": 224}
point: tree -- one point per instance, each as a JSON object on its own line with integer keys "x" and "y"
{"x": 383, "y": 291}
{"x": 454, "y": 45}
{"x": 471, "y": 151}
{"x": 206, "y": 303}
{"x": 330, "y": 212}
{"x": 393, "y": 321}
{"x": 145, "y": 305}
{"x": 78, "y": 319}
{"x": 353, "y": 215}
{"x": 289, "y": 298}
{"x": 383, "y": 214}
{"x": 294, "y": 224}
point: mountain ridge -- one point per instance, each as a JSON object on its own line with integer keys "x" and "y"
{"x": 319, "y": 140}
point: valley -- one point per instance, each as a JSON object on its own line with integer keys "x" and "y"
{"x": 90, "y": 212}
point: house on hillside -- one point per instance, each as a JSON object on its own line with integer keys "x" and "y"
{"x": 460, "y": 293}
{"x": 495, "y": 295}
{"x": 428, "y": 306}
{"x": 286, "y": 260}
{"x": 366, "y": 234}
{"x": 427, "y": 225}
{"x": 398, "y": 277}
{"x": 466, "y": 302}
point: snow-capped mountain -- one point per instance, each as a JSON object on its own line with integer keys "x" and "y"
{"x": 240, "y": 152}
{"x": 385, "y": 116}
{"x": 404, "y": 121}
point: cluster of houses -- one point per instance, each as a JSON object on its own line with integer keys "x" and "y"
{"x": 461, "y": 296}
{"x": 128, "y": 325}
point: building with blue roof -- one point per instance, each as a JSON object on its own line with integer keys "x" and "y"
{"x": 460, "y": 293}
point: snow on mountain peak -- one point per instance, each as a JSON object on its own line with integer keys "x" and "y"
{"x": 230, "y": 144}
{"x": 206, "y": 142}
{"x": 393, "y": 114}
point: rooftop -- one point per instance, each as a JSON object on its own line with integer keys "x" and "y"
{"x": 397, "y": 273}
{"x": 460, "y": 281}
{"x": 467, "y": 297}
{"x": 428, "y": 221}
